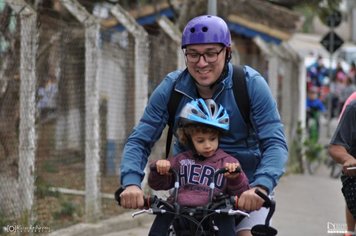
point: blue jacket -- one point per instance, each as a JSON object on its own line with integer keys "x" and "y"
{"x": 262, "y": 151}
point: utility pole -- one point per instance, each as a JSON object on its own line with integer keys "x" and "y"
{"x": 331, "y": 41}
{"x": 212, "y": 7}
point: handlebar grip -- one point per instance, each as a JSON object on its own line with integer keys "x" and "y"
{"x": 148, "y": 201}
{"x": 224, "y": 170}
{"x": 117, "y": 195}
{"x": 268, "y": 201}
{"x": 171, "y": 170}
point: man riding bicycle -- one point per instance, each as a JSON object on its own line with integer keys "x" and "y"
{"x": 259, "y": 146}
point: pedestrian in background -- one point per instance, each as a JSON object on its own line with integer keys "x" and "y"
{"x": 342, "y": 149}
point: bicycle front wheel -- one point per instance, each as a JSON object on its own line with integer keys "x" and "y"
{"x": 313, "y": 166}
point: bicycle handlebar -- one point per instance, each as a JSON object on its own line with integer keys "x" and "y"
{"x": 153, "y": 205}
{"x": 226, "y": 205}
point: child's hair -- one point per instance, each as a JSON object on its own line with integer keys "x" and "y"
{"x": 185, "y": 132}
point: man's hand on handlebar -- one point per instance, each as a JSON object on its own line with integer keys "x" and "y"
{"x": 132, "y": 197}
{"x": 250, "y": 201}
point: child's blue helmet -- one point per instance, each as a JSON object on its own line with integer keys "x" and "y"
{"x": 205, "y": 112}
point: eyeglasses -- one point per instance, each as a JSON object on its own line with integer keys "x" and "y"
{"x": 210, "y": 57}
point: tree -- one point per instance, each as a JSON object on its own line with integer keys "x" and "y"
{"x": 321, "y": 8}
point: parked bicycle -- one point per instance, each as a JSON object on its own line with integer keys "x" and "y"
{"x": 198, "y": 221}
{"x": 313, "y": 149}
{"x": 335, "y": 168}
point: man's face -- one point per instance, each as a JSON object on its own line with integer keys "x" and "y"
{"x": 207, "y": 69}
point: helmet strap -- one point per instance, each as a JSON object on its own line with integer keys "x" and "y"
{"x": 221, "y": 77}
{"x": 225, "y": 70}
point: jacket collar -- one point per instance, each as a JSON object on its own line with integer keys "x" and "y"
{"x": 186, "y": 85}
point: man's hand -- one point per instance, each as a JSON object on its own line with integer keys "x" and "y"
{"x": 349, "y": 163}
{"x": 250, "y": 201}
{"x": 132, "y": 197}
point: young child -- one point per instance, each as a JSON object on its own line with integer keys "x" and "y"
{"x": 201, "y": 124}
{"x": 315, "y": 107}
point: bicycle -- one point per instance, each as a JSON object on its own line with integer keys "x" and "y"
{"x": 313, "y": 147}
{"x": 199, "y": 221}
{"x": 335, "y": 168}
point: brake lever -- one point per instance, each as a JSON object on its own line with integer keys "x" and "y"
{"x": 136, "y": 213}
{"x": 148, "y": 211}
{"x": 231, "y": 212}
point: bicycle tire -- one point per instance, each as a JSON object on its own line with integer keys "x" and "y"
{"x": 313, "y": 166}
{"x": 336, "y": 170}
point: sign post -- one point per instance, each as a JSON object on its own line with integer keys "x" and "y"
{"x": 331, "y": 41}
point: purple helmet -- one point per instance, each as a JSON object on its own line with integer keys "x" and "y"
{"x": 206, "y": 29}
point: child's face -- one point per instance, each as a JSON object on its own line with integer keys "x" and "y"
{"x": 205, "y": 143}
{"x": 312, "y": 95}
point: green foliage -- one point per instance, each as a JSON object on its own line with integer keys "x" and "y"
{"x": 43, "y": 189}
{"x": 308, "y": 14}
{"x": 320, "y": 8}
{"x": 68, "y": 209}
{"x": 50, "y": 167}
{"x": 310, "y": 149}
{"x": 3, "y": 222}
{"x": 313, "y": 150}
{"x": 295, "y": 163}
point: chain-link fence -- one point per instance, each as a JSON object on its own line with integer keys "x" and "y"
{"x": 71, "y": 91}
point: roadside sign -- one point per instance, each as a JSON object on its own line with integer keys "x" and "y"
{"x": 331, "y": 41}
{"x": 334, "y": 19}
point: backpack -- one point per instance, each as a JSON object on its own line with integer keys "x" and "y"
{"x": 239, "y": 89}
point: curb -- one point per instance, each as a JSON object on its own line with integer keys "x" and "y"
{"x": 114, "y": 224}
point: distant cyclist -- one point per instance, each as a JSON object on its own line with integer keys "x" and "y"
{"x": 315, "y": 107}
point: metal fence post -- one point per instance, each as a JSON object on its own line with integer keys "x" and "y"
{"x": 174, "y": 33}
{"x": 141, "y": 57}
{"x": 92, "y": 128}
{"x": 141, "y": 62}
{"x": 27, "y": 136}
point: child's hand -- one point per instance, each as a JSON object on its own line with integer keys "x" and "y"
{"x": 163, "y": 167}
{"x": 231, "y": 168}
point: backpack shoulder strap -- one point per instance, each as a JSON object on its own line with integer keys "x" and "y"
{"x": 173, "y": 103}
{"x": 239, "y": 87}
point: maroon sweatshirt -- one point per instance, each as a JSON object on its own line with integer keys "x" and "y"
{"x": 194, "y": 178}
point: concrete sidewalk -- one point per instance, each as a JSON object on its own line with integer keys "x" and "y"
{"x": 308, "y": 205}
